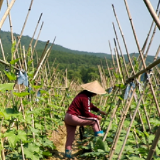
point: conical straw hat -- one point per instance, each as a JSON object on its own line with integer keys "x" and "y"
{"x": 94, "y": 87}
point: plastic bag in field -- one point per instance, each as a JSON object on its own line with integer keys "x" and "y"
{"x": 23, "y": 78}
{"x": 110, "y": 90}
{"x": 126, "y": 94}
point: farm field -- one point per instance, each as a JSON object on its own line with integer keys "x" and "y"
{"x": 35, "y": 97}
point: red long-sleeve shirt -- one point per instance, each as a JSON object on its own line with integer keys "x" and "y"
{"x": 81, "y": 106}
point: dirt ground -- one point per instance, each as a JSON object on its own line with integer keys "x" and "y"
{"x": 59, "y": 139}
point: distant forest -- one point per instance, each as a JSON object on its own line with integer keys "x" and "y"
{"x": 81, "y": 66}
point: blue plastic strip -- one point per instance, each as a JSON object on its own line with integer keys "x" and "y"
{"x": 23, "y": 78}
{"x": 126, "y": 94}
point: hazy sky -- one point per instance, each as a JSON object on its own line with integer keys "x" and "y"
{"x": 84, "y": 25}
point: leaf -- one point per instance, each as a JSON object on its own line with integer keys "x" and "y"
{"x": 13, "y": 47}
{"x": 22, "y": 94}
{"x": 48, "y": 143}
{"x": 155, "y": 122}
{"x": 12, "y": 138}
{"x": 46, "y": 153}
{"x": 38, "y": 126}
{"x": 9, "y": 110}
{"x": 122, "y": 86}
{"x": 30, "y": 151}
{"x": 151, "y": 138}
{"x": 6, "y": 86}
{"x": 30, "y": 62}
{"x": 100, "y": 151}
{"x": 101, "y": 145}
{"x": 30, "y": 74}
{"x": 10, "y": 75}
{"x": 2, "y": 114}
{"x": 37, "y": 87}
{"x": 14, "y": 61}
{"x": 22, "y": 135}
{"x": 35, "y": 131}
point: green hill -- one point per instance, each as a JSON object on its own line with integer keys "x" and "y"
{"x": 25, "y": 40}
{"x": 81, "y": 65}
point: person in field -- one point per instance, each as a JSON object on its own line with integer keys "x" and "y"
{"x": 79, "y": 114}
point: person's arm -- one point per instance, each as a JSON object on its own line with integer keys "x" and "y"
{"x": 87, "y": 107}
{"x": 94, "y": 108}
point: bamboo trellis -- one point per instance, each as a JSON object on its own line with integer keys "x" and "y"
{"x": 118, "y": 63}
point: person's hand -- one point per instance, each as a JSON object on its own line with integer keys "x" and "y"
{"x": 104, "y": 113}
{"x": 99, "y": 117}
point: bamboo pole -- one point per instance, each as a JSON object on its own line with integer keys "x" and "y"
{"x": 20, "y": 65}
{"x": 123, "y": 116}
{"x": 23, "y": 157}
{"x": 119, "y": 60}
{"x": 143, "y": 62}
{"x": 122, "y": 54}
{"x": 130, "y": 125}
{"x": 134, "y": 132}
{"x": 24, "y": 56}
{"x": 154, "y": 144}
{"x": 152, "y": 12}
{"x": 2, "y": 151}
{"x": 49, "y": 52}
{"x": 4, "y": 58}
{"x": 132, "y": 119}
{"x": 9, "y": 65}
{"x": 112, "y": 55}
{"x": 112, "y": 116}
{"x": 1, "y": 2}
{"x": 145, "y": 43}
{"x": 34, "y": 33}
{"x": 10, "y": 22}
{"x": 147, "y": 118}
{"x": 144, "y": 70}
{"x": 123, "y": 39}
{"x": 41, "y": 60}
{"x": 16, "y": 48}
{"x": 118, "y": 65}
{"x": 109, "y": 73}
{"x": 154, "y": 31}
{"x": 37, "y": 38}
{"x": 120, "y": 50}
{"x": 6, "y": 13}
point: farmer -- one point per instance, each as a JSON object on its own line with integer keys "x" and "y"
{"x": 78, "y": 114}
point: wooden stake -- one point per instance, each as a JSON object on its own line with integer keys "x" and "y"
{"x": 154, "y": 31}
{"x": 123, "y": 39}
{"x": 2, "y": 50}
{"x": 126, "y": 71}
{"x": 112, "y": 55}
{"x": 154, "y": 144}
{"x": 129, "y": 128}
{"x": 143, "y": 62}
{"x": 118, "y": 65}
{"x": 44, "y": 54}
{"x": 10, "y": 22}
{"x": 152, "y": 12}
{"x": 37, "y": 39}
{"x": 1, "y": 2}
{"x": 6, "y": 13}
{"x": 123, "y": 116}
{"x": 16, "y": 49}
{"x": 34, "y": 33}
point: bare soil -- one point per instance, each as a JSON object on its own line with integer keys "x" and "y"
{"x": 59, "y": 139}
